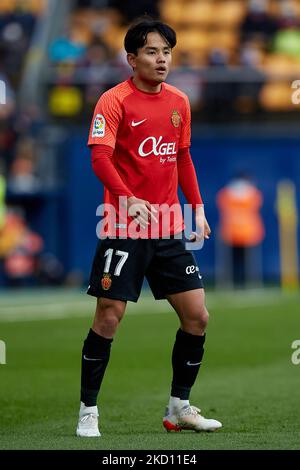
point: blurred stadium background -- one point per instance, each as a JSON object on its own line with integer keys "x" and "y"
{"x": 239, "y": 63}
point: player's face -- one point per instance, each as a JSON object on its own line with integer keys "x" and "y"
{"x": 152, "y": 62}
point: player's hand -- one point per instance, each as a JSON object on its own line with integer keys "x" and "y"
{"x": 203, "y": 230}
{"x": 141, "y": 211}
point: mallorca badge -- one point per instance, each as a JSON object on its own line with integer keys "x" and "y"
{"x": 175, "y": 118}
{"x": 106, "y": 282}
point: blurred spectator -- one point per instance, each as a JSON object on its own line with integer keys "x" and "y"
{"x": 50, "y": 270}
{"x": 22, "y": 178}
{"x": 252, "y": 80}
{"x": 7, "y": 108}
{"x": 219, "y": 95}
{"x": 187, "y": 78}
{"x": 288, "y": 16}
{"x": 7, "y": 113}
{"x": 97, "y": 54}
{"x": 241, "y": 226}
{"x": 97, "y": 72}
{"x": 67, "y": 48}
{"x": 258, "y": 22}
{"x": 96, "y": 62}
{"x": 2, "y": 195}
{"x": 19, "y": 248}
{"x": 7, "y": 141}
{"x": 21, "y": 16}
{"x": 15, "y": 33}
{"x": 287, "y": 38}
{"x": 121, "y": 67}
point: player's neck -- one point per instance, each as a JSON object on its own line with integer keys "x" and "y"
{"x": 148, "y": 87}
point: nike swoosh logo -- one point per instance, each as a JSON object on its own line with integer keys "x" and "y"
{"x": 91, "y": 359}
{"x": 134, "y": 124}
{"x": 193, "y": 363}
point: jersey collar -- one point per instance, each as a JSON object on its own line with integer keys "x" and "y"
{"x": 146, "y": 93}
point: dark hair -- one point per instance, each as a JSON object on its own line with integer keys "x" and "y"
{"x": 136, "y": 36}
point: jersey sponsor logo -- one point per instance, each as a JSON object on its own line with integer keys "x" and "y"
{"x": 175, "y": 118}
{"x": 106, "y": 282}
{"x": 154, "y": 146}
{"x": 99, "y": 126}
{"x": 134, "y": 124}
{"x": 191, "y": 269}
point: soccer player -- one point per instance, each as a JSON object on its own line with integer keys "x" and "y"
{"x": 139, "y": 140}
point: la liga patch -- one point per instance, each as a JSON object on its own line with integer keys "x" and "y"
{"x": 99, "y": 126}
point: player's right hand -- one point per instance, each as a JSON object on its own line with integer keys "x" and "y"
{"x": 141, "y": 211}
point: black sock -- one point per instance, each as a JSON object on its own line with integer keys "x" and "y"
{"x": 95, "y": 357}
{"x": 186, "y": 359}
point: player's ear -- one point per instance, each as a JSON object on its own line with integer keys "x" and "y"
{"x": 131, "y": 59}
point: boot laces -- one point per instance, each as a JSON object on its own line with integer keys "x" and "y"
{"x": 88, "y": 417}
{"x": 190, "y": 410}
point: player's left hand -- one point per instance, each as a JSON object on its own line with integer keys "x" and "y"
{"x": 203, "y": 230}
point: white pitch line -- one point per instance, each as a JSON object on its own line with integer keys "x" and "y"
{"x": 48, "y": 309}
{"x": 71, "y": 310}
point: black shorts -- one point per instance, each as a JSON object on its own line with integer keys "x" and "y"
{"x": 120, "y": 266}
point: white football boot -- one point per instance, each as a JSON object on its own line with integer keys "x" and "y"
{"x": 88, "y": 421}
{"x": 188, "y": 417}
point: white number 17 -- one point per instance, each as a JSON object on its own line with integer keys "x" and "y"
{"x": 109, "y": 254}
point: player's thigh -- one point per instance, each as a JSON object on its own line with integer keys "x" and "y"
{"x": 190, "y": 306}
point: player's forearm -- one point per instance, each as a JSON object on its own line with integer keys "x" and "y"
{"x": 105, "y": 170}
{"x": 187, "y": 178}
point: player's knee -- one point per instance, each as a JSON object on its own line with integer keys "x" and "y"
{"x": 204, "y": 317}
{"x": 201, "y": 320}
{"x": 109, "y": 314}
{"x": 197, "y": 321}
{"x": 111, "y": 322}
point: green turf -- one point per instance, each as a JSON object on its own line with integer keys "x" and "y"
{"x": 247, "y": 380}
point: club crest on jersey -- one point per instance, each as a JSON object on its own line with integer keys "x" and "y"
{"x": 106, "y": 282}
{"x": 175, "y": 118}
{"x": 99, "y": 126}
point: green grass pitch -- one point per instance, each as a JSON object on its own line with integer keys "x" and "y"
{"x": 247, "y": 379}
